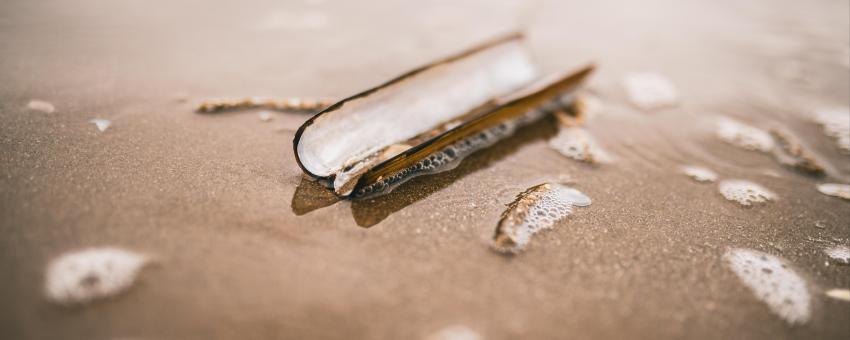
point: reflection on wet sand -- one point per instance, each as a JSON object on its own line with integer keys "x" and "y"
{"x": 311, "y": 195}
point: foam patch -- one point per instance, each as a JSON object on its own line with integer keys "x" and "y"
{"x": 538, "y": 208}
{"x": 743, "y": 135}
{"x": 839, "y": 254}
{"x": 773, "y": 282}
{"x": 578, "y": 144}
{"x": 102, "y": 124}
{"x": 745, "y": 192}
{"x": 835, "y": 189}
{"x": 836, "y": 124}
{"x": 699, "y": 174}
{"x": 91, "y": 274}
{"x": 649, "y": 91}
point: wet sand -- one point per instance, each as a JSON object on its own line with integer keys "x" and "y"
{"x": 242, "y": 248}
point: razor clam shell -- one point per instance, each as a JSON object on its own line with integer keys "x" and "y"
{"x": 323, "y": 144}
{"x": 446, "y": 151}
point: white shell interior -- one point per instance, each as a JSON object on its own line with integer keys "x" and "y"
{"x": 412, "y": 106}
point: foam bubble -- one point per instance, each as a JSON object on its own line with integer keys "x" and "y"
{"x": 40, "y": 105}
{"x": 102, "y": 124}
{"x": 839, "y": 294}
{"x": 836, "y": 124}
{"x": 699, "y": 174}
{"x": 773, "y": 282}
{"x": 839, "y": 254}
{"x": 835, "y": 189}
{"x": 743, "y": 135}
{"x": 578, "y": 144}
{"x": 745, "y": 192}
{"x": 650, "y": 91}
{"x": 91, "y": 274}
{"x": 540, "y": 207}
{"x": 456, "y": 332}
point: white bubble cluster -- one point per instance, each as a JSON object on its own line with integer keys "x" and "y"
{"x": 836, "y": 124}
{"x": 456, "y": 332}
{"x": 551, "y": 203}
{"x": 840, "y": 254}
{"x": 835, "y": 189}
{"x": 773, "y": 282}
{"x": 745, "y": 192}
{"x": 699, "y": 174}
{"x": 578, "y": 144}
{"x": 102, "y": 124}
{"x": 650, "y": 91}
{"x": 40, "y": 105}
{"x": 90, "y": 274}
{"x": 743, "y": 135}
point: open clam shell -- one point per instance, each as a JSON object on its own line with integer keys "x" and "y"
{"x": 428, "y": 119}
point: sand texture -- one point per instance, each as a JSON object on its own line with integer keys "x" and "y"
{"x": 246, "y": 248}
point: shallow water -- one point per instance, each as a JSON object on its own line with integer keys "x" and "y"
{"x": 249, "y": 249}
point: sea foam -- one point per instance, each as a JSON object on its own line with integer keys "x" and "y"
{"x": 91, "y": 274}
{"x": 773, "y": 282}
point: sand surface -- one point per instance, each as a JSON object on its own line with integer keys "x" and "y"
{"x": 241, "y": 247}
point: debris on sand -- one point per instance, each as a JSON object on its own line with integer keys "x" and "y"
{"x": 743, "y": 135}
{"x": 745, "y": 192}
{"x": 773, "y": 282}
{"x": 786, "y": 149}
{"x": 286, "y": 105}
{"x": 650, "y": 91}
{"x": 102, "y": 124}
{"x": 835, "y": 189}
{"x": 40, "y": 105}
{"x": 95, "y": 273}
{"x": 535, "y": 209}
{"x": 791, "y": 153}
{"x": 699, "y": 174}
